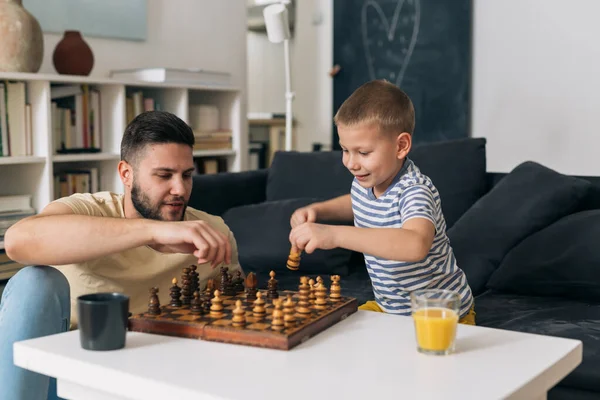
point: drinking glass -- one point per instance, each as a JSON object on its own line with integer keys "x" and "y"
{"x": 435, "y": 314}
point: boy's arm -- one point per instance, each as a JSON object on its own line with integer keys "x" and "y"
{"x": 336, "y": 209}
{"x": 410, "y": 243}
{"x": 57, "y": 236}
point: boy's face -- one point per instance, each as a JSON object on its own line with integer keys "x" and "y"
{"x": 373, "y": 157}
{"x": 161, "y": 183}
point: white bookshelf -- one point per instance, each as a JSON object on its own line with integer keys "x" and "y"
{"x": 34, "y": 174}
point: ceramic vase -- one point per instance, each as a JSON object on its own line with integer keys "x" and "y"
{"x": 21, "y": 39}
{"x": 72, "y": 55}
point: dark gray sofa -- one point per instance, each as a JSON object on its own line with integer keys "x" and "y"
{"x": 526, "y": 240}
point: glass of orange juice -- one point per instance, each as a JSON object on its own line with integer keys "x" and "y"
{"x": 435, "y": 313}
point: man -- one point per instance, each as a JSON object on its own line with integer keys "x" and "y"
{"x": 105, "y": 242}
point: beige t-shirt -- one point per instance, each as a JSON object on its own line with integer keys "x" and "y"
{"x": 136, "y": 270}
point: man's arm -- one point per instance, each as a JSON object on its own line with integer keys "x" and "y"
{"x": 57, "y": 236}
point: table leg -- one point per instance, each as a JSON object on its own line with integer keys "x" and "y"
{"x": 74, "y": 391}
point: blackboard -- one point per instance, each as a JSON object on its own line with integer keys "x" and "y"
{"x": 422, "y": 46}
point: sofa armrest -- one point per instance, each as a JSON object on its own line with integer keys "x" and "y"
{"x": 217, "y": 193}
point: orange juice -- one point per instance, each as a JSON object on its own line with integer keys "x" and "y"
{"x": 435, "y": 328}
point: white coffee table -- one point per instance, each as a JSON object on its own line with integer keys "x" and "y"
{"x": 367, "y": 356}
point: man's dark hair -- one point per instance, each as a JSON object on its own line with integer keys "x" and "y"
{"x": 153, "y": 127}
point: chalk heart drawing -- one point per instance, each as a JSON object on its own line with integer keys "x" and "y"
{"x": 399, "y": 35}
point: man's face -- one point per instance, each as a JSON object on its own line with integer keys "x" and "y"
{"x": 162, "y": 181}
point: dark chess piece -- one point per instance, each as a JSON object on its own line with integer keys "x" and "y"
{"x": 196, "y": 306}
{"x": 223, "y": 283}
{"x": 154, "y": 303}
{"x": 206, "y": 303}
{"x": 186, "y": 289}
{"x": 175, "y": 294}
{"x": 238, "y": 282}
{"x": 194, "y": 282}
{"x": 251, "y": 286}
{"x": 272, "y": 292}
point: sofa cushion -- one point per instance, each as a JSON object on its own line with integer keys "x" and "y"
{"x": 560, "y": 260}
{"x": 548, "y": 316}
{"x": 319, "y": 175}
{"x": 458, "y": 171}
{"x": 262, "y": 234}
{"x": 526, "y": 200}
{"x": 456, "y": 167}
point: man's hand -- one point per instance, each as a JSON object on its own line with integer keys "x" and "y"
{"x": 192, "y": 237}
{"x": 304, "y": 214}
{"x": 310, "y": 236}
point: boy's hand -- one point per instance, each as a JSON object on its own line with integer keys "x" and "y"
{"x": 302, "y": 215}
{"x": 310, "y": 236}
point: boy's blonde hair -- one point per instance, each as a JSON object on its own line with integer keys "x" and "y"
{"x": 379, "y": 102}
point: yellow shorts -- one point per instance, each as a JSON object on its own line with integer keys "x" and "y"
{"x": 468, "y": 319}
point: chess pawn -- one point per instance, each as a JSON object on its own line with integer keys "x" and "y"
{"x": 277, "y": 322}
{"x": 196, "y": 305}
{"x": 210, "y": 288}
{"x": 206, "y": 303}
{"x": 321, "y": 294}
{"x": 251, "y": 284}
{"x": 311, "y": 295}
{"x": 303, "y": 292}
{"x": 154, "y": 303}
{"x": 272, "y": 292}
{"x": 289, "y": 319}
{"x": 335, "y": 291}
{"x": 216, "y": 309}
{"x": 259, "y": 311}
{"x": 175, "y": 294}
{"x": 239, "y": 315}
{"x": 238, "y": 282}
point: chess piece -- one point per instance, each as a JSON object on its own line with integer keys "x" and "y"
{"x": 251, "y": 286}
{"x": 303, "y": 292}
{"x": 259, "y": 311}
{"x": 335, "y": 291}
{"x": 210, "y": 288}
{"x": 319, "y": 281}
{"x": 311, "y": 295}
{"x": 321, "y": 297}
{"x": 186, "y": 289}
{"x": 239, "y": 315}
{"x": 277, "y": 322}
{"x": 175, "y": 294}
{"x": 194, "y": 282}
{"x": 196, "y": 305}
{"x": 238, "y": 282}
{"x": 206, "y": 303}
{"x": 216, "y": 309}
{"x": 154, "y": 303}
{"x": 225, "y": 286}
{"x": 272, "y": 292}
{"x": 293, "y": 262}
{"x": 289, "y": 319}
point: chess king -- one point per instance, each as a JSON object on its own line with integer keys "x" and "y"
{"x": 109, "y": 242}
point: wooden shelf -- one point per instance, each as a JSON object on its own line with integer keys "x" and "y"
{"x": 22, "y": 160}
{"x": 85, "y": 157}
{"x": 211, "y": 153}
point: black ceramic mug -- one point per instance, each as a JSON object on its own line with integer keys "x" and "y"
{"x": 102, "y": 319}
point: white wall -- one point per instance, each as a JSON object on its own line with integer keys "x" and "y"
{"x": 536, "y": 94}
{"x": 181, "y": 33}
{"x": 311, "y": 58}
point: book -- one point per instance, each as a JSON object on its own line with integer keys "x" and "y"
{"x": 190, "y": 76}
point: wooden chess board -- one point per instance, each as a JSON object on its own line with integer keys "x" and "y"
{"x": 179, "y": 321}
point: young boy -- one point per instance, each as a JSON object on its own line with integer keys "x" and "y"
{"x": 396, "y": 209}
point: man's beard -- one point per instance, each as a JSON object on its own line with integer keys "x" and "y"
{"x": 144, "y": 206}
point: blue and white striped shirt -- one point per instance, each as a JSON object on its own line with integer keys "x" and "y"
{"x": 410, "y": 195}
